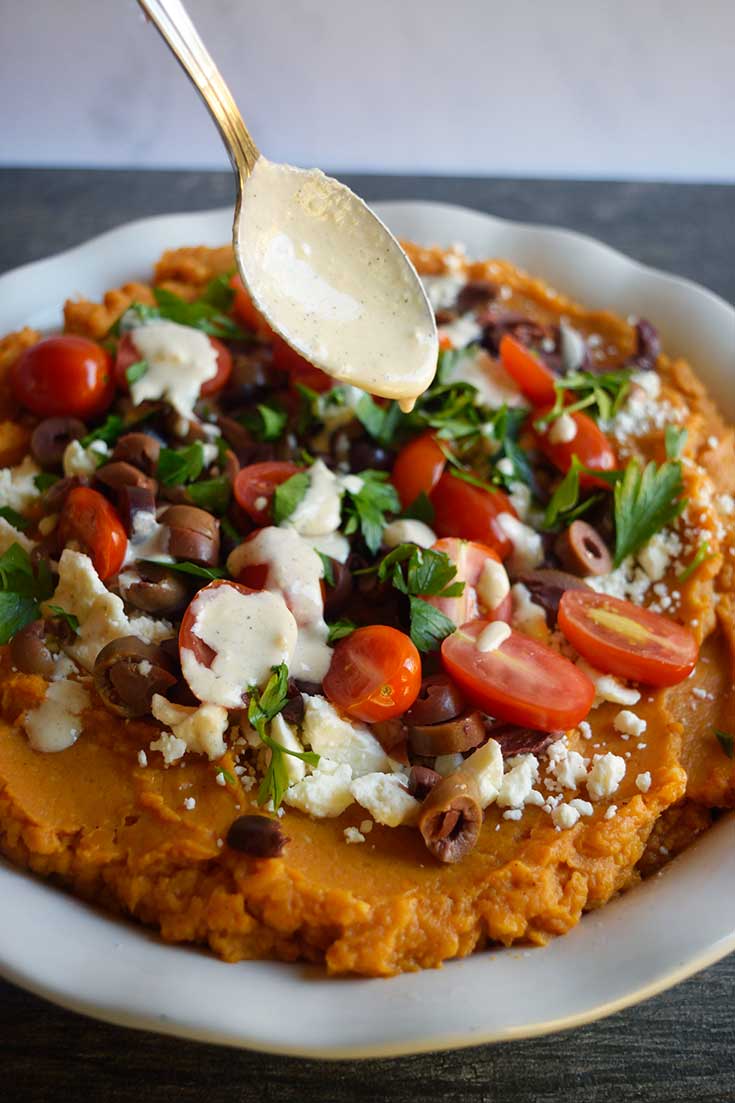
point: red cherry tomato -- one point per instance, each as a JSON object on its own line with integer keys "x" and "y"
{"x": 64, "y": 376}
{"x": 470, "y": 512}
{"x": 245, "y": 309}
{"x": 299, "y": 369}
{"x": 469, "y": 557}
{"x": 418, "y": 468}
{"x": 90, "y": 520}
{"x": 535, "y": 380}
{"x": 589, "y": 445}
{"x": 619, "y": 638}
{"x": 255, "y": 486}
{"x": 127, "y": 355}
{"x": 522, "y": 681}
{"x": 375, "y": 674}
{"x": 188, "y": 639}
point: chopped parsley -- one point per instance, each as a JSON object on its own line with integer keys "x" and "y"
{"x": 288, "y": 495}
{"x": 429, "y": 626}
{"x": 262, "y": 708}
{"x": 565, "y": 505}
{"x": 365, "y": 510}
{"x": 267, "y": 422}
{"x": 340, "y": 629}
{"x": 111, "y": 428}
{"x": 71, "y": 620}
{"x": 184, "y": 567}
{"x": 202, "y": 314}
{"x": 675, "y": 438}
{"x": 181, "y": 465}
{"x": 727, "y": 742}
{"x": 212, "y": 494}
{"x": 327, "y": 566}
{"x": 44, "y": 480}
{"x": 419, "y": 573}
{"x": 702, "y": 553}
{"x": 136, "y": 371}
{"x": 599, "y": 395}
{"x": 646, "y": 499}
{"x": 17, "y": 520}
{"x": 220, "y": 771}
{"x": 22, "y": 589}
{"x": 420, "y": 509}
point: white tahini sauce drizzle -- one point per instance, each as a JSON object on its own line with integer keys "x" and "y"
{"x": 329, "y": 278}
{"x": 56, "y": 723}
{"x": 493, "y": 636}
{"x": 179, "y": 360}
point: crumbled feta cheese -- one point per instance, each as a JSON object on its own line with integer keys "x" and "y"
{"x": 565, "y": 816}
{"x": 179, "y": 360}
{"x": 562, "y": 430}
{"x": 80, "y": 461}
{"x": 200, "y": 729}
{"x": 171, "y": 747}
{"x": 610, "y": 812}
{"x": 366, "y": 826}
{"x": 17, "y": 488}
{"x": 608, "y": 687}
{"x": 408, "y": 532}
{"x": 643, "y": 782}
{"x": 656, "y": 556}
{"x": 493, "y": 636}
{"x": 493, "y": 585}
{"x": 56, "y": 723}
{"x": 584, "y": 730}
{"x": 628, "y": 723}
{"x": 486, "y": 766}
{"x": 528, "y": 546}
{"x": 442, "y": 291}
{"x": 142, "y": 759}
{"x": 608, "y": 770}
{"x": 385, "y": 798}
{"x": 582, "y": 806}
{"x": 569, "y": 768}
{"x": 352, "y": 835}
{"x": 324, "y": 793}
{"x": 513, "y": 814}
{"x": 338, "y": 739}
{"x": 10, "y": 536}
{"x": 518, "y": 783}
{"x": 190, "y": 804}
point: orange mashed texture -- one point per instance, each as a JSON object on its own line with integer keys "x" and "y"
{"x": 117, "y": 834}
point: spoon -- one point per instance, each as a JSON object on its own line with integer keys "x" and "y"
{"x": 319, "y": 265}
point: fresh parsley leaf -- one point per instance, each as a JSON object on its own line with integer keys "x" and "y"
{"x": 16, "y": 611}
{"x": 365, "y": 509}
{"x": 451, "y": 359}
{"x": 381, "y": 422}
{"x": 181, "y": 465}
{"x": 420, "y": 572}
{"x": 420, "y": 509}
{"x": 288, "y": 495}
{"x": 109, "y": 431}
{"x": 184, "y": 567}
{"x": 727, "y": 742}
{"x": 44, "y": 480}
{"x": 262, "y": 707}
{"x": 200, "y": 314}
{"x": 645, "y": 501}
{"x": 340, "y": 629}
{"x": 17, "y": 520}
{"x": 599, "y": 395}
{"x": 266, "y": 422}
{"x": 675, "y": 438}
{"x": 229, "y": 529}
{"x": 328, "y": 568}
{"x": 136, "y": 371}
{"x": 212, "y": 494}
{"x": 21, "y": 591}
{"x": 71, "y": 620}
{"x": 429, "y": 626}
{"x": 219, "y": 293}
{"x": 702, "y": 553}
{"x": 220, "y": 771}
{"x": 564, "y": 505}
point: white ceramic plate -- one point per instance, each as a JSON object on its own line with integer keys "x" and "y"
{"x": 655, "y": 936}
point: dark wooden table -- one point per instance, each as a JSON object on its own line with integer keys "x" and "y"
{"x": 677, "y": 1048}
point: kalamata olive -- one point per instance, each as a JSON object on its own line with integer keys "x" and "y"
{"x": 51, "y": 437}
{"x": 118, "y": 474}
{"x": 475, "y": 294}
{"x": 251, "y": 376}
{"x": 256, "y": 836}
{"x": 546, "y": 586}
{"x": 29, "y": 651}
{"x": 128, "y": 672}
{"x": 514, "y": 740}
{"x": 544, "y": 338}
{"x": 156, "y": 590}
{"x": 647, "y": 346}
{"x": 450, "y": 737}
{"x": 313, "y": 689}
{"x": 54, "y": 498}
{"x": 582, "y": 550}
{"x": 231, "y": 465}
{"x": 391, "y": 734}
{"x": 246, "y": 448}
{"x": 438, "y": 700}
{"x": 141, "y": 450}
{"x": 293, "y": 711}
{"x": 365, "y": 453}
{"x": 132, "y": 503}
{"x": 193, "y": 534}
{"x": 337, "y": 595}
{"x": 421, "y": 781}
{"x": 451, "y": 817}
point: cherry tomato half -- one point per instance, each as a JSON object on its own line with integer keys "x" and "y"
{"x": 522, "y": 681}
{"x": 375, "y": 674}
{"x": 471, "y": 512}
{"x": 255, "y": 486}
{"x": 90, "y": 520}
{"x": 127, "y": 355}
{"x": 619, "y": 638}
{"x": 589, "y": 444}
{"x": 469, "y": 558}
{"x": 418, "y": 468}
{"x": 535, "y": 380}
{"x": 64, "y": 376}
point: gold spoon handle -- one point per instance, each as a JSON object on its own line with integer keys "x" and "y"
{"x": 172, "y": 21}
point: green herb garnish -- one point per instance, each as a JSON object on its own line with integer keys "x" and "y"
{"x": 17, "y": 520}
{"x": 181, "y": 465}
{"x": 340, "y": 629}
{"x": 727, "y": 742}
{"x": 420, "y": 509}
{"x": 702, "y": 553}
{"x": 201, "y": 314}
{"x": 365, "y": 510}
{"x": 222, "y": 772}
{"x": 262, "y": 708}
{"x": 288, "y": 495}
{"x": 22, "y": 589}
{"x": 646, "y": 500}
{"x": 136, "y": 371}
{"x": 328, "y": 568}
{"x": 565, "y": 505}
{"x": 675, "y": 439}
{"x": 212, "y": 494}
{"x": 266, "y": 422}
{"x": 109, "y": 431}
{"x": 184, "y": 567}
{"x": 71, "y": 620}
{"x": 599, "y": 395}
{"x": 44, "y": 480}
{"x": 419, "y": 573}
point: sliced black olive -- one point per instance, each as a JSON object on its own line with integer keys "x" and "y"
{"x": 141, "y": 450}
{"x": 193, "y": 534}
{"x": 50, "y": 438}
{"x": 439, "y": 700}
{"x": 29, "y": 651}
{"x": 128, "y": 672}
{"x": 157, "y": 590}
{"x": 582, "y": 550}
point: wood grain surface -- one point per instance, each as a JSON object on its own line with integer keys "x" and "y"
{"x": 676, "y": 1048}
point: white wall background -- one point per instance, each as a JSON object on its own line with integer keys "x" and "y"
{"x": 599, "y": 88}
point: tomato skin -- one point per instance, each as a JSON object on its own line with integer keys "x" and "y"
{"x": 469, "y": 558}
{"x": 245, "y": 309}
{"x": 418, "y": 468}
{"x": 535, "y": 380}
{"x": 203, "y": 653}
{"x": 522, "y": 682}
{"x": 259, "y": 480}
{"x": 89, "y": 519}
{"x": 66, "y": 376}
{"x": 589, "y": 445}
{"x": 375, "y": 674}
{"x": 127, "y": 355}
{"x": 471, "y": 512}
{"x": 629, "y": 642}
